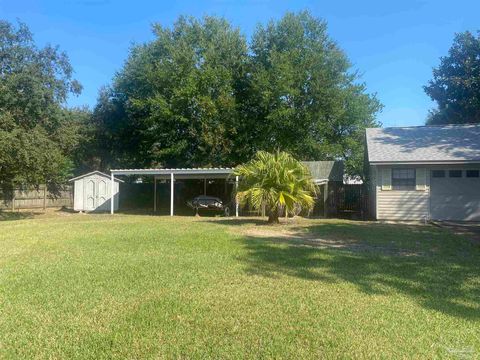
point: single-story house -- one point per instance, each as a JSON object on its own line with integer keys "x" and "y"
{"x": 424, "y": 172}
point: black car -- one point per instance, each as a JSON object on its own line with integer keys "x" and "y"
{"x": 204, "y": 202}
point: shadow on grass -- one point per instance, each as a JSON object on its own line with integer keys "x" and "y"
{"x": 232, "y": 221}
{"x": 186, "y": 212}
{"x": 17, "y": 215}
{"x": 21, "y": 214}
{"x": 66, "y": 210}
{"x": 440, "y": 271}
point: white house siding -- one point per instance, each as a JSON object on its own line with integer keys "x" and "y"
{"x": 455, "y": 199}
{"x": 402, "y": 204}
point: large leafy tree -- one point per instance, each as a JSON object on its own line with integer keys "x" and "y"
{"x": 197, "y": 95}
{"x": 275, "y": 180}
{"x": 305, "y": 97}
{"x": 455, "y": 86}
{"x": 175, "y": 101}
{"x": 76, "y": 137}
{"x": 35, "y": 139}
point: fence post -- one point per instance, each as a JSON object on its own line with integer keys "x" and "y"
{"x": 44, "y": 197}
{"x": 13, "y": 200}
{"x": 325, "y": 200}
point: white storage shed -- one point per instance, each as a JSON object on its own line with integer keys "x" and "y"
{"x": 92, "y": 192}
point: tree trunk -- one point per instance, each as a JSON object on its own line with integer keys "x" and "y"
{"x": 273, "y": 216}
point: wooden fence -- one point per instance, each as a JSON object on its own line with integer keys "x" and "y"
{"x": 342, "y": 200}
{"x": 345, "y": 201}
{"x": 350, "y": 201}
{"x": 39, "y": 198}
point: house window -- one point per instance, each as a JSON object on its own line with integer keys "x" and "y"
{"x": 455, "y": 173}
{"x": 438, "y": 173}
{"x": 473, "y": 173}
{"x": 403, "y": 179}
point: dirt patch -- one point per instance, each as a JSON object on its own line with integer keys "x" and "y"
{"x": 296, "y": 238}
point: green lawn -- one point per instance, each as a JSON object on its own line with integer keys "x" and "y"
{"x": 132, "y": 286}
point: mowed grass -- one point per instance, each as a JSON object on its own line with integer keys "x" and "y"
{"x": 131, "y": 286}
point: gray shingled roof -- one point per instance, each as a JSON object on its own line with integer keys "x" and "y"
{"x": 321, "y": 170}
{"x": 448, "y": 143}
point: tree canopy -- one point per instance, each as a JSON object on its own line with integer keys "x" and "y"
{"x": 305, "y": 98}
{"x": 199, "y": 94}
{"x": 455, "y": 86}
{"x": 175, "y": 102}
{"x": 35, "y": 139}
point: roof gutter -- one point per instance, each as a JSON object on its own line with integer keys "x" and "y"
{"x": 430, "y": 162}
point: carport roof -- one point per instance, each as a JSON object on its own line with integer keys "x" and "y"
{"x": 175, "y": 171}
{"x": 322, "y": 171}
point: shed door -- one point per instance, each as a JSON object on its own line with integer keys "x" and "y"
{"x": 102, "y": 192}
{"x": 97, "y": 194}
{"x": 454, "y": 196}
{"x": 90, "y": 194}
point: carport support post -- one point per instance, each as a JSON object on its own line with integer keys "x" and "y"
{"x": 236, "y": 199}
{"x": 205, "y": 186}
{"x": 112, "y": 192}
{"x": 154, "y": 194}
{"x": 172, "y": 179}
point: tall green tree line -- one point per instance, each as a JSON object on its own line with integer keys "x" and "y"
{"x": 200, "y": 94}
{"x": 455, "y": 86}
{"x": 38, "y": 134}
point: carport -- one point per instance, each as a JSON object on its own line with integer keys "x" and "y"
{"x": 176, "y": 174}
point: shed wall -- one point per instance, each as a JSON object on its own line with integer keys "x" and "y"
{"x": 102, "y": 189}
{"x": 78, "y": 195}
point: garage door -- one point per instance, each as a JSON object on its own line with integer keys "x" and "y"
{"x": 455, "y": 195}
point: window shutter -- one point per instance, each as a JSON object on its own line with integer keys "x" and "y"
{"x": 421, "y": 179}
{"x": 386, "y": 179}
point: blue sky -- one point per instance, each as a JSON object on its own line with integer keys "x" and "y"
{"x": 394, "y": 44}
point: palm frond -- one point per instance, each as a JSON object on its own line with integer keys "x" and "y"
{"x": 275, "y": 180}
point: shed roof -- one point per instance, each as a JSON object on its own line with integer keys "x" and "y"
{"x": 96, "y": 172}
{"x": 326, "y": 170}
{"x": 424, "y": 144}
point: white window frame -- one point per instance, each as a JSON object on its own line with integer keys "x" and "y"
{"x": 413, "y": 179}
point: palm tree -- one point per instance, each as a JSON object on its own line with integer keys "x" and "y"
{"x": 275, "y": 180}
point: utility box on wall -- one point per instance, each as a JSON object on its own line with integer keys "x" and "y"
{"x": 92, "y": 192}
